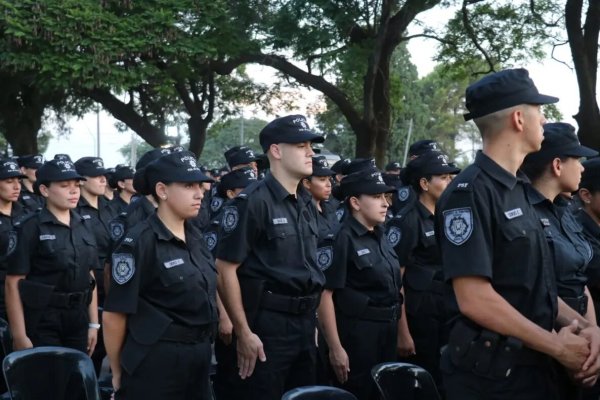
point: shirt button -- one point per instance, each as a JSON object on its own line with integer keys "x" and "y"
{"x": 181, "y": 278}
{"x": 487, "y": 343}
{"x": 523, "y": 232}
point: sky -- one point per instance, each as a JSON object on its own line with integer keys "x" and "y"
{"x": 551, "y": 77}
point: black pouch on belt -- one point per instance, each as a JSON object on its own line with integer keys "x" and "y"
{"x": 461, "y": 340}
{"x": 483, "y": 352}
{"x": 506, "y": 357}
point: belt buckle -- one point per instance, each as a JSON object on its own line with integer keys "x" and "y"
{"x": 74, "y": 298}
{"x": 304, "y": 304}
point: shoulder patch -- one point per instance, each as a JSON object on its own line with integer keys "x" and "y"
{"x": 324, "y": 257}
{"x": 117, "y": 229}
{"x": 230, "y": 218}
{"x": 403, "y": 193}
{"x": 339, "y": 213}
{"x": 12, "y": 242}
{"x": 394, "y": 235}
{"x": 211, "y": 240}
{"x": 458, "y": 225}
{"x": 216, "y": 203}
{"x": 123, "y": 267}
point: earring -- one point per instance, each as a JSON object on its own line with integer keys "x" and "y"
{"x": 164, "y": 197}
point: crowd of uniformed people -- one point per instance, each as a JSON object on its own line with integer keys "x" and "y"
{"x": 283, "y": 270}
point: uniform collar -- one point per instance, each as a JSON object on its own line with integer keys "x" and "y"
{"x": 423, "y": 211}
{"x": 278, "y": 191}
{"x": 162, "y": 233}
{"x": 534, "y": 196}
{"x": 360, "y": 229}
{"x": 497, "y": 172}
{"x": 47, "y": 217}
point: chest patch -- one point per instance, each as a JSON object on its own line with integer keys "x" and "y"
{"x": 458, "y": 225}
{"x": 123, "y": 267}
{"x": 47, "y": 237}
{"x": 280, "y": 221}
{"x": 363, "y": 252}
{"x": 429, "y": 233}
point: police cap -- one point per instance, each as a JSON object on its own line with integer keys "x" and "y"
{"x": 430, "y": 163}
{"x": 33, "y": 161}
{"x": 393, "y": 166}
{"x": 9, "y": 169}
{"x": 288, "y": 129}
{"x": 120, "y": 173}
{"x": 560, "y": 140}
{"x": 502, "y": 90}
{"x": 239, "y": 155}
{"x": 338, "y": 167}
{"x": 174, "y": 167}
{"x": 238, "y": 179}
{"x": 320, "y": 167}
{"x": 366, "y": 181}
{"x": 62, "y": 157}
{"x": 358, "y": 164}
{"x": 150, "y": 156}
{"x": 590, "y": 178}
{"x": 56, "y": 171}
{"x": 90, "y": 166}
{"x": 422, "y": 146}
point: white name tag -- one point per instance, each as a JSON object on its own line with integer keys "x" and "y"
{"x": 512, "y": 214}
{"x": 362, "y": 252}
{"x": 174, "y": 263}
{"x": 47, "y": 237}
{"x": 86, "y": 216}
{"x": 279, "y": 221}
{"x": 430, "y": 233}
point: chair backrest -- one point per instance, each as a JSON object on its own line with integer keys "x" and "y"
{"x": 318, "y": 393}
{"x": 50, "y": 373}
{"x": 5, "y": 337}
{"x": 402, "y": 381}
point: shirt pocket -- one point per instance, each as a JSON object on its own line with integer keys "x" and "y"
{"x": 51, "y": 256}
{"x": 175, "y": 275}
{"x": 281, "y": 232}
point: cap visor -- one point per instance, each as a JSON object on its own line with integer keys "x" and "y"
{"x": 323, "y": 172}
{"x": 12, "y": 175}
{"x": 583, "y": 151}
{"x": 377, "y": 189}
{"x": 441, "y": 170}
{"x": 543, "y": 99}
{"x": 305, "y": 137}
{"x": 193, "y": 177}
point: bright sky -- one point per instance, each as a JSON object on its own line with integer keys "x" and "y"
{"x": 551, "y": 77}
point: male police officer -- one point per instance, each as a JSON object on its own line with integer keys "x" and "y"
{"x": 502, "y": 337}
{"x": 268, "y": 278}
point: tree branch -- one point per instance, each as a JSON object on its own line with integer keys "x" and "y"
{"x": 471, "y": 34}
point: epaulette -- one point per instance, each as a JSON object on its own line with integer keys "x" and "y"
{"x": 463, "y": 182}
{"x": 24, "y": 218}
{"x": 248, "y": 190}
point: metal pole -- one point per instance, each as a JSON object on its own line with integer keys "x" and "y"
{"x": 408, "y": 135}
{"x": 133, "y": 150}
{"x": 98, "y": 132}
{"x": 242, "y": 129}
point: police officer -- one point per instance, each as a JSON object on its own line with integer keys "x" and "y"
{"x": 50, "y": 295}
{"x": 589, "y": 218}
{"x": 122, "y": 181}
{"x": 226, "y": 378}
{"x": 355, "y": 165}
{"x": 360, "y": 306}
{"x": 268, "y": 277}
{"x": 11, "y": 213}
{"x": 412, "y": 235}
{"x": 160, "y": 312}
{"x": 93, "y": 207}
{"x": 554, "y": 170}
{"x": 495, "y": 254}
{"x": 319, "y": 186}
{"x": 29, "y": 164}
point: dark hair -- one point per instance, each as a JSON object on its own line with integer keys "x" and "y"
{"x": 416, "y": 183}
{"x": 535, "y": 167}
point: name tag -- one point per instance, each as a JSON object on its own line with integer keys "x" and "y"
{"x": 47, "y": 237}
{"x": 86, "y": 216}
{"x": 430, "y": 233}
{"x": 512, "y": 214}
{"x": 26, "y": 197}
{"x": 362, "y": 252}
{"x": 174, "y": 263}
{"x": 128, "y": 240}
{"x": 279, "y": 221}
{"x": 545, "y": 221}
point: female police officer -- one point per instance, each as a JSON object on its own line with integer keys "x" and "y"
{"x": 160, "y": 311}
{"x": 49, "y": 294}
{"x": 360, "y": 305}
{"x": 411, "y": 234}
{"x": 319, "y": 186}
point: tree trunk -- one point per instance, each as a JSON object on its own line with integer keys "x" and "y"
{"x": 197, "y": 128}
{"x": 584, "y": 50}
{"x": 22, "y": 136}
{"x": 24, "y": 121}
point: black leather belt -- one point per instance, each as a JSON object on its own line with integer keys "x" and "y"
{"x": 188, "y": 334}
{"x": 579, "y": 304}
{"x": 288, "y": 304}
{"x": 69, "y": 300}
{"x": 381, "y": 313}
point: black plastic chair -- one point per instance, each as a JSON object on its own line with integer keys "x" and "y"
{"x": 402, "y": 381}
{"x": 5, "y": 337}
{"x": 318, "y": 393}
{"x": 50, "y": 373}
